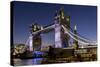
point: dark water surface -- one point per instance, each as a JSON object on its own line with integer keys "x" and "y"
{"x": 34, "y": 61}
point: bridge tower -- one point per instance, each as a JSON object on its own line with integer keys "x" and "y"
{"x": 61, "y": 39}
{"x": 36, "y": 38}
{"x": 65, "y": 21}
{"x": 58, "y": 41}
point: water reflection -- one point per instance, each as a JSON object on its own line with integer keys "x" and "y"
{"x": 34, "y": 61}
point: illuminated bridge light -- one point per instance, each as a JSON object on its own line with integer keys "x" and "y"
{"x": 58, "y": 43}
{"x": 31, "y": 43}
{"x": 39, "y": 52}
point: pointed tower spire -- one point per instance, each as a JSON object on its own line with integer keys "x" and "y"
{"x": 75, "y": 27}
{"x": 62, "y": 13}
{"x": 75, "y": 42}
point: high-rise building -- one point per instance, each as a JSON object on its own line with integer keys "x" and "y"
{"x": 75, "y": 42}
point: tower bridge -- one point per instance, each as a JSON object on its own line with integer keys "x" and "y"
{"x": 63, "y": 34}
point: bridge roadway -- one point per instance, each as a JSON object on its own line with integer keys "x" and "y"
{"x": 45, "y": 29}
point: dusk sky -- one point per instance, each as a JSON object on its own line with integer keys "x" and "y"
{"x": 26, "y": 13}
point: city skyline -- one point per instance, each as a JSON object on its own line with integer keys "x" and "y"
{"x": 26, "y": 13}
